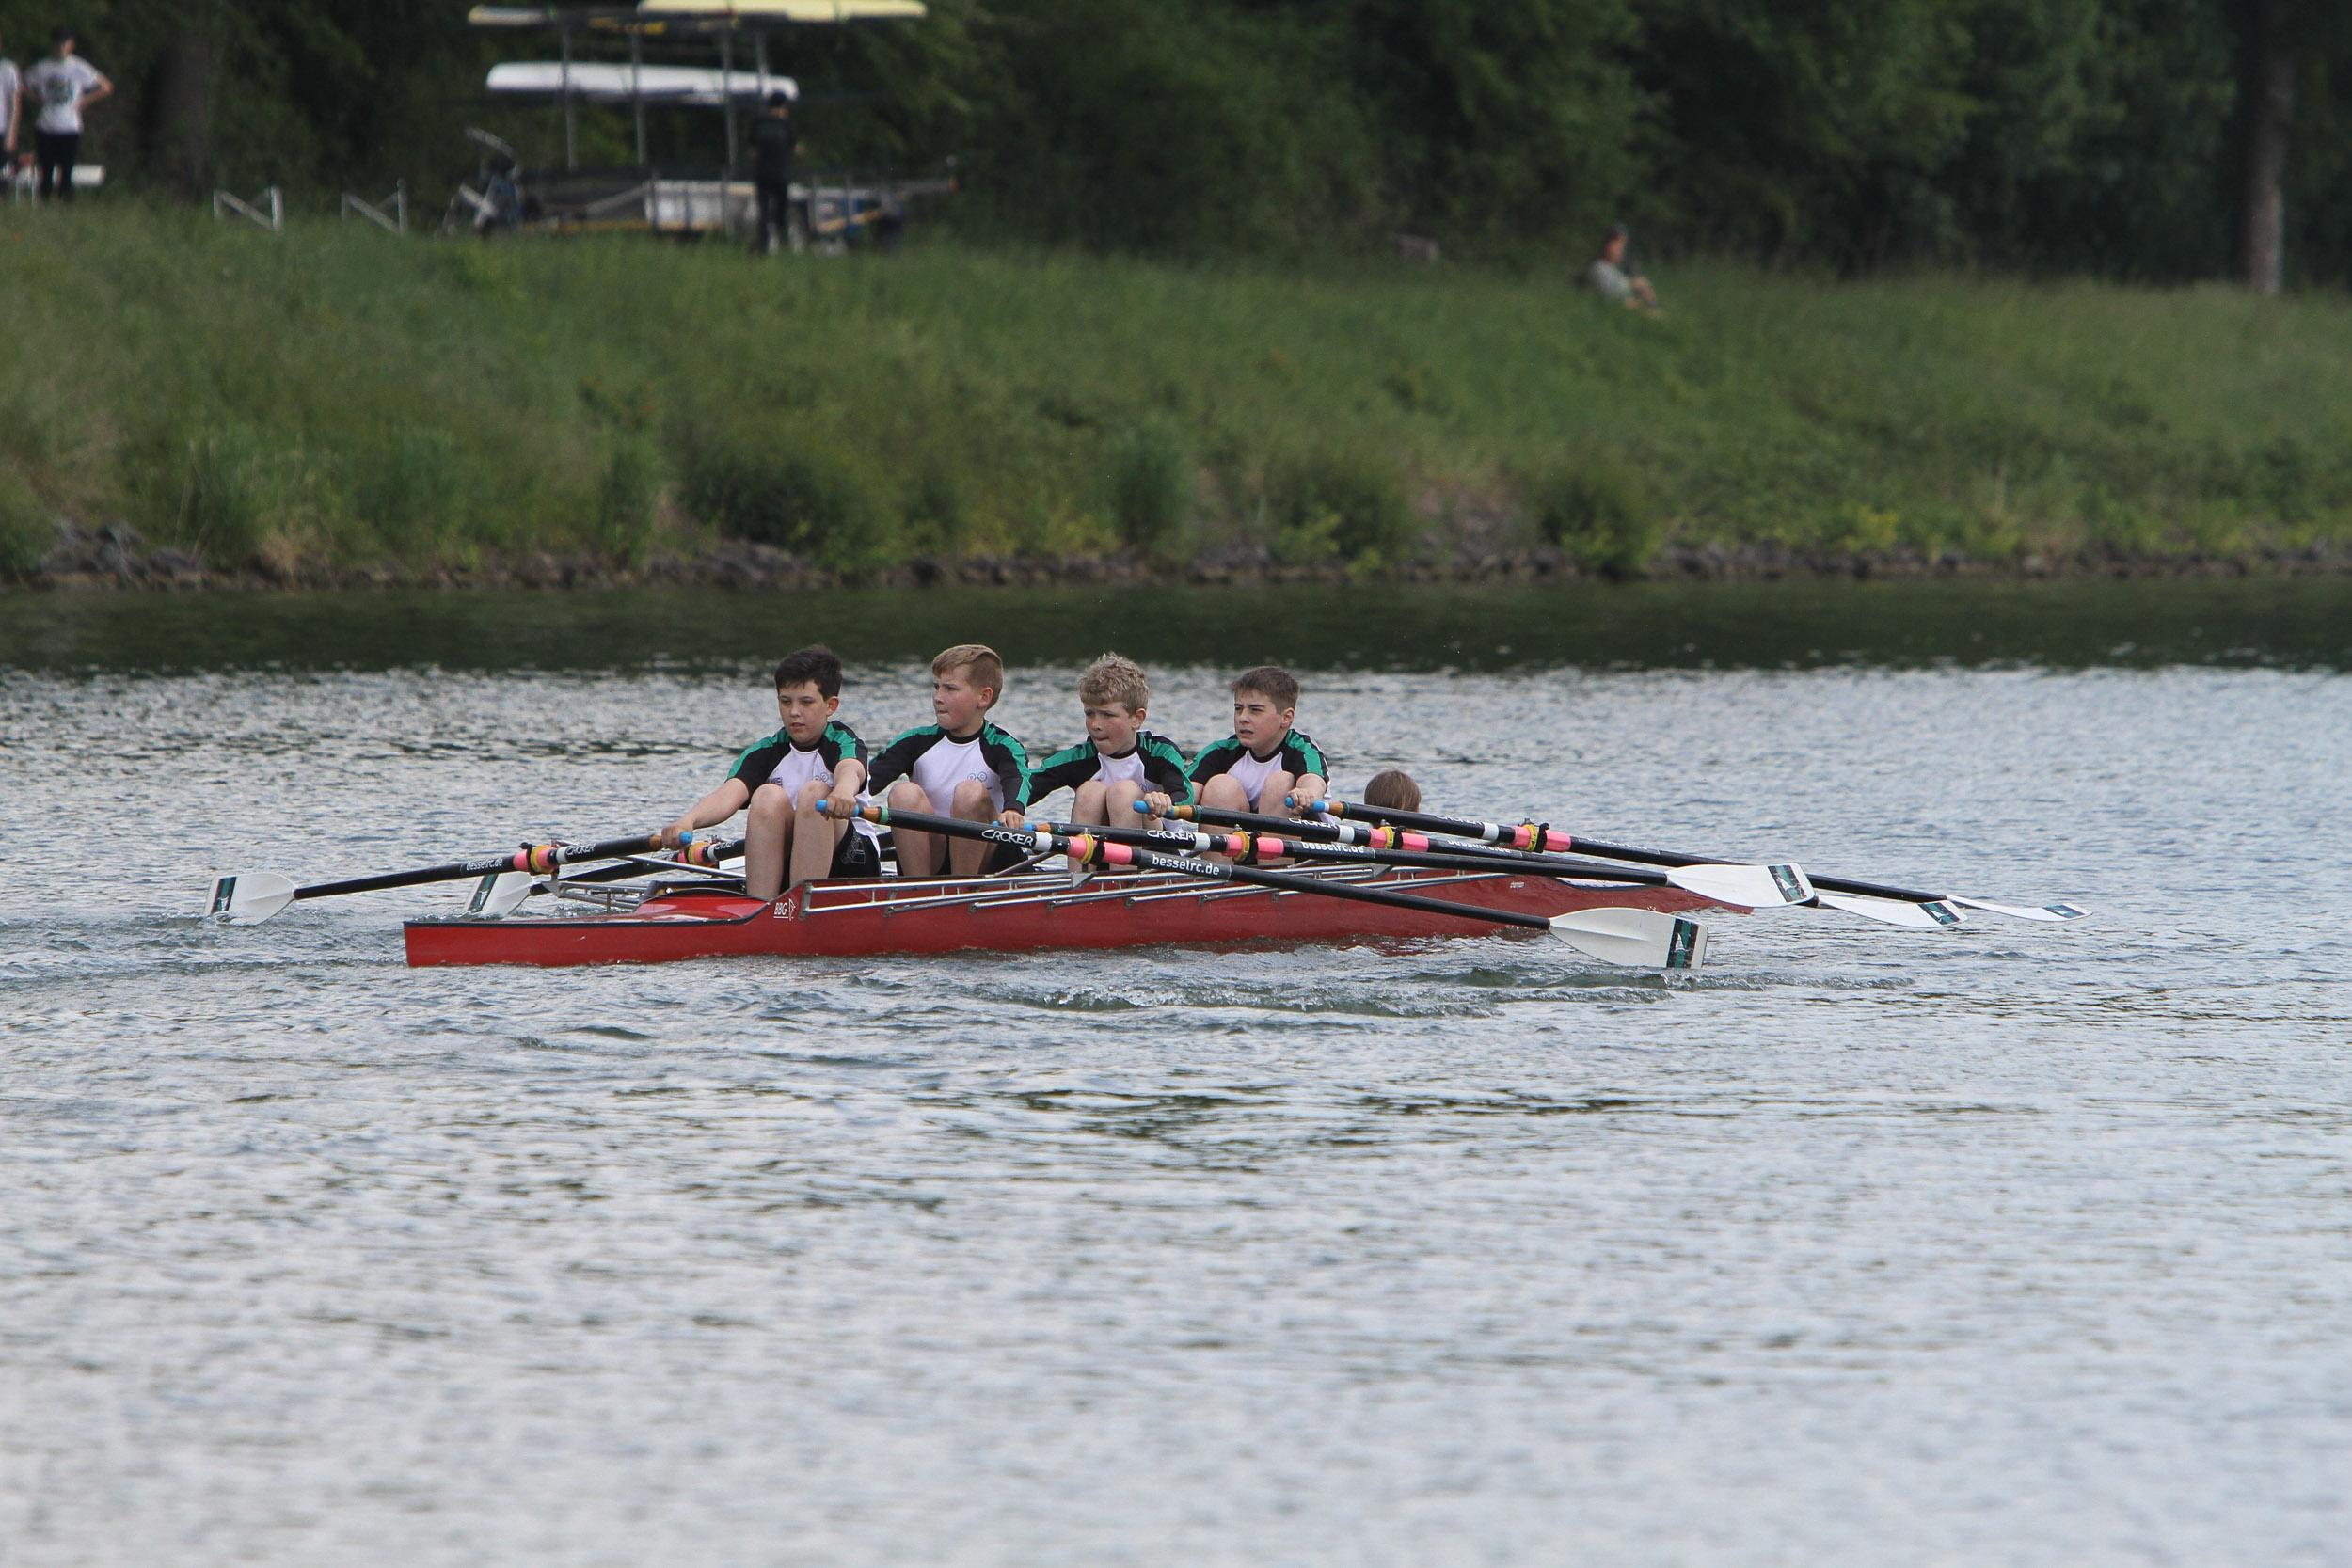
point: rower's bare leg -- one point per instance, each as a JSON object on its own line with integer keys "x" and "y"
{"x": 1091, "y": 810}
{"x": 966, "y": 855}
{"x": 918, "y": 853}
{"x": 1271, "y": 793}
{"x": 1223, "y": 794}
{"x": 767, "y": 840}
{"x": 1120, "y": 805}
{"x": 815, "y": 835}
{"x": 1270, "y": 800}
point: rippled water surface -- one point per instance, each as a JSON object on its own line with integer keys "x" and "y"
{"x": 2011, "y": 1245}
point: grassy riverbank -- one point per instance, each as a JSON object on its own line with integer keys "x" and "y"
{"x": 336, "y": 398}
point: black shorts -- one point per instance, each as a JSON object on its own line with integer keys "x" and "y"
{"x": 853, "y": 857}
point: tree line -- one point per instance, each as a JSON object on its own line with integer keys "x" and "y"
{"x": 2142, "y": 139}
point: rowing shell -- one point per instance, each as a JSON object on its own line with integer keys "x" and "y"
{"x": 1006, "y": 914}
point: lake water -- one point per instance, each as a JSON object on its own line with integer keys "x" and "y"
{"x": 2011, "y": 1245}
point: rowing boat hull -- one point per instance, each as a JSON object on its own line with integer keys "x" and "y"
{"x": 862, "y": 919}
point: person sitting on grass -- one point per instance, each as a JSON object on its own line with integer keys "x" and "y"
{"x": 960, "y": 766}
{"x": 1393, "y": 789}
{"x": 1265, "y": 760}
{"x": 788, "y": 780}
{"x": 1118, "y": 763}
{"x": 1615, "y": 278}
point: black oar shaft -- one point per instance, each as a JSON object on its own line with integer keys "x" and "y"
{"x": 1553, "y": 839}
{"x": 1100, "y": 851}
{"x": 532, "y": 858}
{"x": 1445, "y": 859}
{"x": 703, "y": 861}
{"x": 1487, "y": 852}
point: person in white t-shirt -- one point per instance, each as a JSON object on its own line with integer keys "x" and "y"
{"x": 65, "y": 84}
{"x": 11, "y": 91}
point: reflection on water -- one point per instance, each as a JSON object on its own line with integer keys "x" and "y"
{"x": 2302, "y": 622}
{"x": 2006, "y": 1245}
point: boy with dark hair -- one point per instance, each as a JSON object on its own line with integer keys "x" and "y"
{"x": 66, "y": 84}
{"x": 1117, "y": 763}
{"x": 1266, "y": 762}
{"x": 788, "y": 779}
{"x": 958, "y": 765}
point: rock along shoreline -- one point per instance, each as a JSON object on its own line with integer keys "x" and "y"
{"x": 116, "y": 557}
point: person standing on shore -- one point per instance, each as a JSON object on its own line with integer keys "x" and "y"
{"x": 11, "y": 94}
{"x": 775, "y": 140}
{"x": 66, "y": 84}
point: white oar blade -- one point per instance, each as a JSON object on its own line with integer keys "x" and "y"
{"x": 1931, "y": 915}
{"x": 495, "y": 896}
{"x": 248, "y": 897}
{"x": 2022, "y": 911}
{"x": 1638, "y": 938}
{"x": 1751, "y": 887}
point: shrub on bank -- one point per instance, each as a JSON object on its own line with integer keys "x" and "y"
{"x": 1151, "y": 488}
{"x": 25, "y": 535}
{"x": 410, "y": 488}
{"x": 1598, "y": 509}
{"x": 1337, "y": 502}
{"x": 807, "y": 495}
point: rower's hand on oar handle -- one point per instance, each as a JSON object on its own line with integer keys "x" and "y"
{"x": 676, "y": 835}
{"x": 842, "y": 802}
{"x": 1157, "y": 804}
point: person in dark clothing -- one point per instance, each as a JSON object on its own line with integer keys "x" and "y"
{"x": 775, "y": 140}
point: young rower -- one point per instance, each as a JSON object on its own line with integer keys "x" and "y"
{"x": 786, "y": 778}
{"x": 1265, "y": 760}
{"x": 1118, "y": 763}
{"x": 959, "y": 765}
{"x": 1393, "y": 789}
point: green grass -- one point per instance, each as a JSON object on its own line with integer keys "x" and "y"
{"x": 340, "y": 397}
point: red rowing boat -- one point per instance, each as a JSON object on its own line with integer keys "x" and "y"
{"x": 1004, "y": 913}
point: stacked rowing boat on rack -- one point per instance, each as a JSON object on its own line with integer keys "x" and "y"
{"x": 1351, "y": 873}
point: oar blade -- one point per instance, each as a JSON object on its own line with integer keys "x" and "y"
{"x": 1638, "y": 938}
{"x": 1933, "y": 914}
{"x": 1750, "y": 887}
{"x": 497, "y": 894}
{"x": 248, "y": 897}
{"x": 2023, "y": 912}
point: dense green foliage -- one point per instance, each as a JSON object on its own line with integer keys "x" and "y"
{"x": 340, "y": 396}
{"x": 2049, "y": 135}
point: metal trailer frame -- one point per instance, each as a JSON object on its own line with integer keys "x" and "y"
{"x": 637, "y": 23}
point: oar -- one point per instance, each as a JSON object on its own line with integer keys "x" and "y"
{"x": 249, "y": 897}
{"x": 1876, "y": 900}
{"x": 500, "y": 893}
{"x": 1750, "y": 887}
{"x": 1639, "y": 939}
